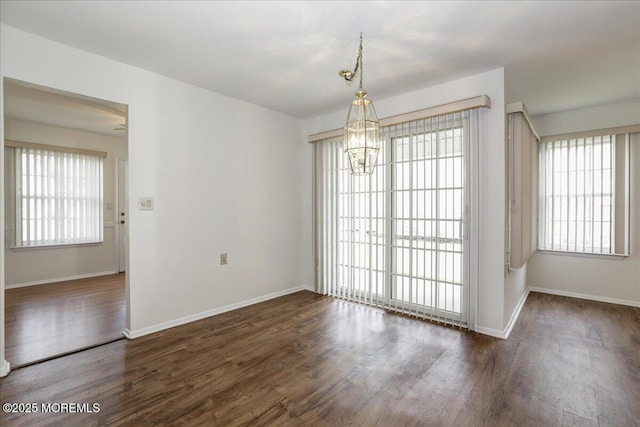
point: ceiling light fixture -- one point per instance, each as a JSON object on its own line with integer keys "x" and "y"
{"x": 362, "y": 130}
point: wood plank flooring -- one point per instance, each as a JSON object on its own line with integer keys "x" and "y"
{"x": 49, "y": 320}
{"x": 311, "y": 360}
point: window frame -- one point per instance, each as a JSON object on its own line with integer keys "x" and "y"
{"x": 620, "y": 210}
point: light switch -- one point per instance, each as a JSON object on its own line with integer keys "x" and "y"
{"x": 145, "y": 203}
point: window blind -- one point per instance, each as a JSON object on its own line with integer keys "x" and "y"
{"x": 58, "y": 197}
{"x": 584, "y": 192}
{"x": 398, "y": 238}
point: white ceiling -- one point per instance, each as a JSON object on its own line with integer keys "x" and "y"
{"x": 36, "y": 104}
{"x": 285, "y": 56}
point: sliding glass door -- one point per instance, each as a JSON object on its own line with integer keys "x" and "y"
{"x": 397, "y": 238}
{"x": 428, "y": 201}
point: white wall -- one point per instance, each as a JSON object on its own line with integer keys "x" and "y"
{"x": 515, "y": 284}
{"x": 224, "y": 174}
{"x": 599, "y": 117}
{"x": 37, "y": 265}
{"x": 605, "y": 279}
{"x": 491, "y": 170}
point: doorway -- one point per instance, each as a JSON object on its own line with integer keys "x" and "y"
{"x": 65, "y": 247}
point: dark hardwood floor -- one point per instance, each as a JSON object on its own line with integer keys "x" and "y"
{"x": 306, "y": 359}
{"x": 45, "y": 321}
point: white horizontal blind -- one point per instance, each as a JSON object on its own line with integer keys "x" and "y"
{"x": 577, "y": 194}
{"x": 396, "y": 239}
{"x": 58, "y": 197}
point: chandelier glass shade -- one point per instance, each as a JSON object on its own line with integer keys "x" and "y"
{"x": 362, "y": 129}
{"x": 362, "y": 135}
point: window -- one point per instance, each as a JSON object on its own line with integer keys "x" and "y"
{"x": 58, "y": 196}
{"x": 584, "y": 184}
{"x": 398, "y": 238}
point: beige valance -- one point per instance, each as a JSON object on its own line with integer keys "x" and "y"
{"x": 46, "y": 147}
{"x": 452, "y": 107}
{"x": 591, "y": 133}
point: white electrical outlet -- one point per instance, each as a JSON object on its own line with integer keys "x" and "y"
{"x": 223, "y": 259}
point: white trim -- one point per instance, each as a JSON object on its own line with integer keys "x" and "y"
{"x": 583, "y": 254}
{"x": 57, "y": 245}
{"x": 129, "y": 334}
{"x": 120, "y": 245}
{"x": 473, "y": 218}
{"x": 492, "y": 332}
{"x": 4, "y": 368}
{"x": 586, "y": 296}
{"x": 309, "y": 288}
{"x": 516, "y": 313}
{"x": 59, "y": 279}
{"x": 4, "y": 365}
{"x": 504, "y": 334}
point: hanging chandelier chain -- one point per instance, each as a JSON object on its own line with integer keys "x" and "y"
{"x": 348, "y": 75}
{"x": 360, "y": 61}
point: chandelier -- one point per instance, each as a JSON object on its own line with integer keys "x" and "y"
{"x": 362, "y": 130}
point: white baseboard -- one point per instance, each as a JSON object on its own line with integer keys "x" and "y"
{"x": 492, "y": 332}
{"x": 4, "y": 368}
{"x": 516, "y": 313}
{"x": 137, "y": 333}
{"x": 504, "y": 334}
{"x": 308, "y": 288}
{"x": 586, "y": 296}
{"x": 59, "y": 279}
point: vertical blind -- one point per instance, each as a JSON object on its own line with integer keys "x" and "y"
{"x": 58, "y": 197}
{"x": 396, "y": 239}
{"x": 577, "y": 194}
{"x": 353, "y": 226}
